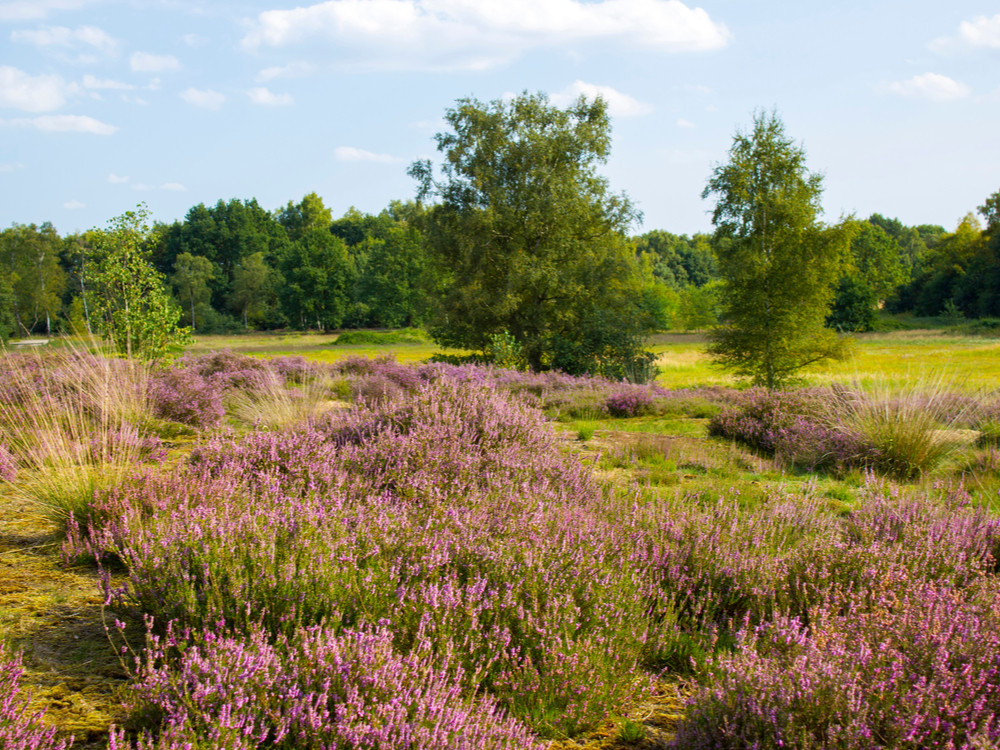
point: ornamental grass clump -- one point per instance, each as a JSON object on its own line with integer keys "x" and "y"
{"x": 20, "y": 729}
{"x": 911, "y": 433}
{"x": 73, "y": 424}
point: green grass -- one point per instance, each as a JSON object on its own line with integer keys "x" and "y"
{"x": 897, "y": 358}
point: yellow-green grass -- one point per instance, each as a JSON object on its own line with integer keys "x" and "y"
{"x": 315, "y": 346}
{"x": 896, "y": 359}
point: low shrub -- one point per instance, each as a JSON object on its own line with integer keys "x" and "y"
{"x": 317, "y": 689}
{"x": 629, "y": 403}
{"x": 185, "y": 395}
{"x": 19, "y": 729}
{"x": 898, "y": 666}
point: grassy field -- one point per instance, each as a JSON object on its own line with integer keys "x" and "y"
{"x": 892, "y": 359}
{"x": 659, "y": 468}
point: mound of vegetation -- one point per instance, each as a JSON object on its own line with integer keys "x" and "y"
{"x": 430, "y": 567}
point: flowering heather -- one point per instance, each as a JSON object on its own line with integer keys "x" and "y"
{"x": 317, "y": 689}
{"x": 451, "y": 518}
{"x": 184, "y": 395}
{"x": 901, "y": 666}
{"x": 20, "y": 730}
{"x": 629, "y": 403}
{"x": 8, "y": 464}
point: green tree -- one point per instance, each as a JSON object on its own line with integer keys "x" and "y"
{"x": 31, "y": 255}
{"x": 318, "y": 277}
{"x": 132, "y": 309}
{"x": 7, "y": 321}
{"x": 254, "y": 282}
{"x": 192, "y": 274}
{"x": 777, "y": 261}
{"x": 303, "y": 217}
{"x": 527, "y": 238}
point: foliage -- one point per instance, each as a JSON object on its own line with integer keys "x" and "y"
{"x": 529, "y": 240}
{"x": 8, "y": 322}
{"x": 318, "y": 276}
{"x": 778, "y": 263}
{"x": 30, "y": 256}
{"x": 19, "y": 729}
{"x": 192, "y": 274}
{"x": 131, "y": 307}
{"x": 853, "y": 306}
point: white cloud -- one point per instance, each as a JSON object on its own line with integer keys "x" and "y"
{"x": 979, "y": 32}
{"x": 61, "y": 36}
{"x": 292, "y": 70}
{"x": 34, "y": 10}
{"x": 619, "y": 104}
{"x": 932, "y": 86}
{"x": 349, "y": 153}
{"x": 8, "y": 168}
{"x": 682, "y": 123}
{"x": 268, "y": 98}
{"x": 74, "y": 204}
{"x": 32, "y": 93}
{"x": 143, "y": 62}
{"x": 195, "y": 40}
{"x": 116, "y": 179}
{"x": 205, "y": 98}
{"x": 64, "y": 124}
{"x": 474, "y": 35}
{"x": 174, "y": 187}
{"x": 92, "y": 82}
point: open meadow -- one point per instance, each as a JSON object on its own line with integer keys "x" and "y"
{"x": 279, "y": 541}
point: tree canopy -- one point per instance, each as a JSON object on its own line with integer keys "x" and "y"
{"x": 777, "y": 261}
{"x": 528, "y": 237}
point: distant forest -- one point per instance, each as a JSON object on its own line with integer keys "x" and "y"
{"x": 237, "y": 266}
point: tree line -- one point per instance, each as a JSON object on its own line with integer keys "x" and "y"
{"x": 515, "y": 242}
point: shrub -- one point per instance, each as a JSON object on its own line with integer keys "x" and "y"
{"x": 317, "y": 689}
{"x": 903, "y": 666}
{"x": 20, "y": 730}
{"x": 184, "y": 395}
{"x": 629, "y": 403}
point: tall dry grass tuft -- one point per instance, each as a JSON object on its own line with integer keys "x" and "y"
{"x": 272, "y": 404}
{"x": 913, "y": 430}
{"x": 72, "y": 423}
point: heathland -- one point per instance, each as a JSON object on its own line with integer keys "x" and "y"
{"x": 293, "y": 542}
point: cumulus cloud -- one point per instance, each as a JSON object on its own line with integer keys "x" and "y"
{"x": 92, "y": 82}
{"x": 174, "y": 187}
{"x": 32, "y": 93}
{"x": 205, "y": 98}
{"x": 34, "y": 10}
{"x": 74, "y": 204}
{"x": 268, "y": 98}
{"x": 932, "y": 86}
{"x": 61, "y": 36}
{"x": 473, "y": 35}
{"x": 116, "y": 179}
{"x": 63, "y": 124}
{"x": 8, "y": 168}
{"x": 292, "y": 70}
{"x": 619, "y": 104}
{"x": 143, "y": 62}
{"x": 682, "y": 123}
{"x": 978, "y": 33}
{"x": 349, "y": 153}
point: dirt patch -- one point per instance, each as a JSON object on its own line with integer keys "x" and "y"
{"x": 53, "y": 615}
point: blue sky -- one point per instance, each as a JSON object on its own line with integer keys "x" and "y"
{"x": 105, "y": 103}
